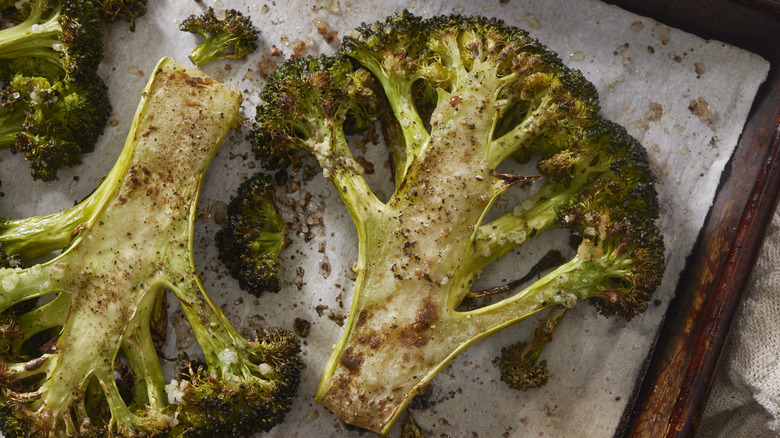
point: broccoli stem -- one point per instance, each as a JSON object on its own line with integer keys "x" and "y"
{"x": 48, "y": 316}
{"x": 134, "y": 238}
{"x": 209, "y": 50}
{"x": 21, "y": 285}
{"x": 139, "y": 349}
{"x": 10, "y": 125}
{"x": 32, "y": 38}
{"x": 403, "y": 268}
{"x": 399, "y": 91}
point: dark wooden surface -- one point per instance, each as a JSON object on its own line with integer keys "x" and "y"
{"x": 671, "y": 396}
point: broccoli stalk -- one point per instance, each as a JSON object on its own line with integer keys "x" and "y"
{"x": 466, "y": 94}
{"x": 125, "y": 245}
{"x": 231, "y": 36}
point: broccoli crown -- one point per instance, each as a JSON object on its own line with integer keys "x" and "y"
{"x": 228, "y": 36}
{"x": 55, "y": 38}
{"x": 456, "y": 96}
{"x": 253, "y": 235}
{"x": 127, "y": 10}
{"x": 230, "y": 408}
{"x": 86, "y": 360}
{"x": 305, "y": 102}
{"x": 52, "y": 123}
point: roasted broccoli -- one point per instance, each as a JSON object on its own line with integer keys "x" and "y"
{"x": 127, "y": 10}
{"x": 253, "y": 235}
{"x": 464, "y": 94}
{"x": 226, "y": 35}
{"x": 56, "y": 38}
{"x": 52, "y": 124}
{"x": 53, "y": 106}
{"x": 82, "y": 360}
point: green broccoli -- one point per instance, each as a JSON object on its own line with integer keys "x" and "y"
{"x": 52, "y": 124}
{"x": 83, "y": 361}
{"x": 254, "y": 234}
{"x": 127, "y": 10}
{"x": 464, "y": 94}
{"x": 53, "y": 106}
{"x": 56, "y": 38}
{"x": 229, "y": 36}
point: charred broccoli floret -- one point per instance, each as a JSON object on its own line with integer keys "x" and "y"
{"x": 53, "y": 105}
{"x": 231, "y": 35}
{"x": 465, "y": 94}
{"x": 127, "y": 10}
{"x": 52, "y": 123}
{"x": 83, "y": 361}
{"x": 253, "y": 235}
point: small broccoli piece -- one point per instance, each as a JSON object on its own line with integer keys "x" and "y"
{"x": 127, "y": 10}
{"x": 56, "y": 38}
{"x": 465, "y": 94}
{"x": 85, "y": 361}
{"x": 519, "y": 363}
{"x": 230, "y": 36}
{"x": 52, "y": 123}
{"x": 254, "y": 234}
{"x": 410, "y": 428}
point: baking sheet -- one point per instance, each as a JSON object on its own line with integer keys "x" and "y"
{"x": 684, "y": 98}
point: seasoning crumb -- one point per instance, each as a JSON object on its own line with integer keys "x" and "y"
{"x": 266, "y": 66}
{"x": 323, "y": 28}
{"x": 298, "y": 47}
{"x": 702, "y": 109}
{"x": 663, "y": 33}
{"x": 302, "y": 327}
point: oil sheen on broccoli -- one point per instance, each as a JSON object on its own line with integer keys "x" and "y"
{"x": 53, "y": 104}
{"x": 79, "y": 334}
{"x": 464, "y": 95}
{"x": 226, "y": 35}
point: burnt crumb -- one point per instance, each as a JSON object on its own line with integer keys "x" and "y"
{"x": 321, "y": 309}
{"x": 337, "y": 318}
{"x": 325, "y": 267}
{"x": 351, "y": 361}
{"x": 299, "y": 273}
{"x": 368, "y": 167}
{"x": 302, "y": 327}
{"x": 423, "y": 400}
{"x": 281, "y": 177}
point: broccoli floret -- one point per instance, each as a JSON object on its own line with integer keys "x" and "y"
{"x": 519, "y": 363}
{"x": 465, "y": 94}
{"x": 52, "y": 124}
{"x": 56, "y": 38}
{"x": 84, "y": 361}
{"x": 253, "y": 235}
{"x": 228, "y": 36}
{"x": 127, "y": 10}
{"x": 410, "y": 428}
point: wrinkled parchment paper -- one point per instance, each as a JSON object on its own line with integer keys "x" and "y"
{"x": 684, "y": 98}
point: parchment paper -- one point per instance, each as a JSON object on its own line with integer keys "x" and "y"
{"x": 684, "y": 98}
